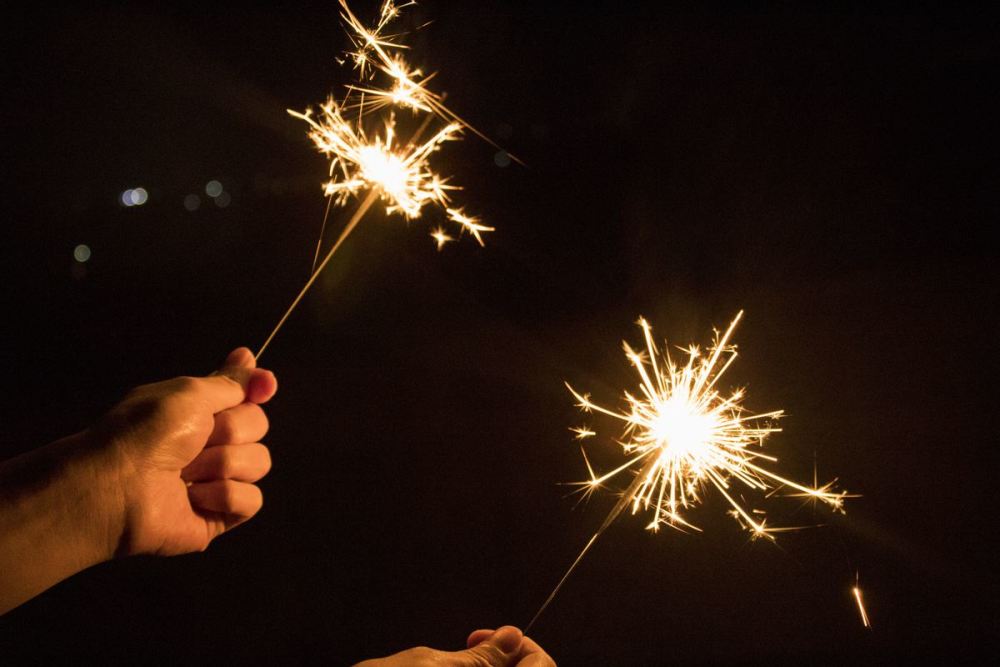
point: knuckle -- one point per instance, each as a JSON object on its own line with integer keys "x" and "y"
{"x": 186, "y": 384}
{"x": 486, "y": 655}
{"x": 419, "y": 655}
{"x": 230, "y": 496}
{"x": 226, "y": 463}
{"x": 226, "y": 428}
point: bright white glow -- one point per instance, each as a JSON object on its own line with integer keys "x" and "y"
{"x": 223, "y": 200}
{"x": 213, "y": 189}
{"x": 681, "y": 429}
{"x": 126, "y": 198}
{"x": 138, "y": 196}
{"x": 81, "y": 253}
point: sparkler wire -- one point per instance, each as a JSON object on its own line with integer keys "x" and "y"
{"x": 351, "y": 224}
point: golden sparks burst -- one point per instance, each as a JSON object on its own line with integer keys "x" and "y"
{"x": 683, "y": 435}
{"x": 368, "y": 160}
{"x": 377, "y": 161}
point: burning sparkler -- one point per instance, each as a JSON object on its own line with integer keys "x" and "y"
{"x": 374, "y": 164}
{"x": 683, "y": 435}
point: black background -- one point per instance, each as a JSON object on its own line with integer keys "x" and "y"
{"x": 828, "y": 170}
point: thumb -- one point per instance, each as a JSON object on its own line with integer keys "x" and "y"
{"x": 498, "y": 650}
{"x": 240, "y": 365}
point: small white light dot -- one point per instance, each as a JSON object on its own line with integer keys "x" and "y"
{"x": 126, "y": 198}
{"x": 213, "y": 189}
{"x": 223, "y": 200}
{"x": 192, "y": 202}
{"x": 501, "y": 159}
{"x": 138, "y": 196}
{"x": 81, "y": 253}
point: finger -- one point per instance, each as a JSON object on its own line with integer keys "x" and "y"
{"x": 242, "y": 463}
{"x": 541, "y": 659}
{"x": 233, "y": 385}
{"x": 245, "y": 422}
{"x": 478, "y": 636}
{"x": 241, "y": 356}
{"x": 500, "y": 649}
{"x": 227, "y": 496}
{"x": 262, "y": 384}
{"x": 533, "y": 655}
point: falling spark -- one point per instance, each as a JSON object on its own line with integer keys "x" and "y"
{"x": 376, "y": 164}
{"x": 856, "y": 590}
{"x": 441, "y": 237}
{"x": 682, "y": 436}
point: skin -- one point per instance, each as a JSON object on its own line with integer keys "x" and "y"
{"x": 166, "y": 471}
{"x": 504, "y": 647}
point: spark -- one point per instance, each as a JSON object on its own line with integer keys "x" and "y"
{"x": 683, "y": 436}
{"x": 378, "y": 52}
{"x": 400, "y": 174}
{"x": 367, "y": 158}
{"x": 583, "y": 432}
{"x": 470, "y": 224}
{"x": 856, "y": 591}
{"x": 441, "y": 237}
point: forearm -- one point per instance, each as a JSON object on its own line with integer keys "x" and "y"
{"x": 57, "y": 509}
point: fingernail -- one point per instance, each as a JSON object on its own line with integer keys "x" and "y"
{"x": 507, "y": 639}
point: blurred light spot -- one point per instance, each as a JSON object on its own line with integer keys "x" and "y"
{"x": 138, "y": 196}
{"x": 501, "y": 159}
{"x": 223, "y": 200}
{"x": 213, "y": 189}
{"x": 81, "y": 253}
{"x": 192, "y": 202}
{"x": 126, "y": 198}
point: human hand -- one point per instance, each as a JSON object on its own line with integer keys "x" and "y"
{"x": 185, "y": 454}
{"x": 505, "y": 647}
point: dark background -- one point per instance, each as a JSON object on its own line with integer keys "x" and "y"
{"x": 829, "y": 170}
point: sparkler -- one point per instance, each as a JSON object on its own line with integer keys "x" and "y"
{"x": 683, "y": 435}
{"x": 375, "y": 164}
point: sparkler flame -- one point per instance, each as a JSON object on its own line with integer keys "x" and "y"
{"x": 376, "y": 165}
{"x": 683, "y": 435}
{"x": 399, "y": 172}
{"x": 401, "y": 175}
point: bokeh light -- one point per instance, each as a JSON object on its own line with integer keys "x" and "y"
{"x": 82, "y": 253}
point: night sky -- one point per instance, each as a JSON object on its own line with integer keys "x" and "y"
{"x": 832, "y": 172}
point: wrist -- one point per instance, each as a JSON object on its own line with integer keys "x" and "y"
{"x": 92, "y": 489}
